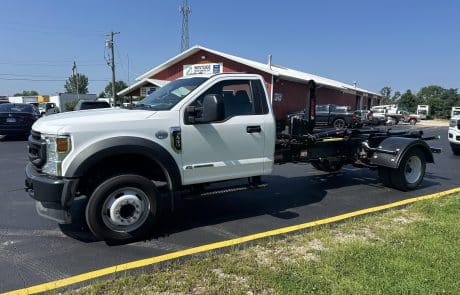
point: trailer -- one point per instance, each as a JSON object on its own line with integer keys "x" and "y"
{"x": 62, "y": 99}
{"x": 423, "y": 111}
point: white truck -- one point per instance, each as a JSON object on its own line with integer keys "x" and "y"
{"x": 62, "y": 99}
{"x": 454, "y": 130}
{"x": 133, "y": 164}
{"x": 423, "y": 111}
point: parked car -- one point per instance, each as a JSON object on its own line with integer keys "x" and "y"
{"x": 17, "y": 118}
{"x": 48, "y": 108}
{"x": 91, "y": 104}
{"x": 336, "y": 116}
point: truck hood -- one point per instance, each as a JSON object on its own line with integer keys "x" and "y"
{"x": 68, "y": 121}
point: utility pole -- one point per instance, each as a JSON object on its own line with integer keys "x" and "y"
{"x": 75, "y": 77}
{"x": 185, "y": 10}
{"x": 111, "y": 61}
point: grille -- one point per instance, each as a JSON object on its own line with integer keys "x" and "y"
{"x": 37, "y": 149}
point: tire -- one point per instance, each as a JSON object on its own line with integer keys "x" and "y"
{"x": 410, "y": 172}
{"x": 339, "y": 123}
{"x": 456, "y": 151}
{"x": 384, "y": 176}
{"x": 123, "y": 208}
{"x": 412, "y": 121}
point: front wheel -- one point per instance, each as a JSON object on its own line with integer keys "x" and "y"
{"x": 412, "y": 121}
{"x": 123, "y": 208}
{"x": 410, "y": 172}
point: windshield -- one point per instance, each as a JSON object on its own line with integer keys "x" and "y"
{"x": 169, "y": 95}
{"x": 17, "y": 108}
{"x": 455, "y": 113}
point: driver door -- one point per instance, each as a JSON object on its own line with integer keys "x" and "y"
{"x": 233, "y": 147}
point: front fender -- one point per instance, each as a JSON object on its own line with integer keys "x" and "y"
{"x": 125, "y": 145}
{"x": 401, "y": 145}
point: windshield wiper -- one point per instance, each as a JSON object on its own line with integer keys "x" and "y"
{"x": 143, "y": 106}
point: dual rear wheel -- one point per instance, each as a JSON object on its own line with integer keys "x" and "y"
{"x": 408, "y": 175}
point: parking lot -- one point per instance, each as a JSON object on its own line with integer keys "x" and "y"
{"x": 34, "y": 250}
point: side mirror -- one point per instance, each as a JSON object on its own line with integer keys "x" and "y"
{"x": 211, "y": 111}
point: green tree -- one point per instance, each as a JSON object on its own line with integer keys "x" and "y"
{"x": 71, "y": 105}
{"x": 386, "y": 95}
{"x": 74, "y": 80}
{"x": 119, "y": 85}
{"x": 408, "y": 101}
{"x": 27, "y": 93}
{"x": 101, "y": 95}
{"x": 396, "y": 96}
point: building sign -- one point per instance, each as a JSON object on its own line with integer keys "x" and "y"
{"x": 145, "y": 91}
{"x": 278, "y": 97}
{"x": 207, "y": 69}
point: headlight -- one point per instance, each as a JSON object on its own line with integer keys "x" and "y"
{"x": 57, "y": 148}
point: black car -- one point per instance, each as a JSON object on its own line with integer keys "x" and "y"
{"x": 91, "y": 104}
{"x": 17, "y": 118}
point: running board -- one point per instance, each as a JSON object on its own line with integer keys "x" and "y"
{"x": 232, "y": 189}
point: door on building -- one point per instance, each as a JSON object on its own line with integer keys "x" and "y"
{"x": 358, "y": 102}
{"x": 369, "y": 103}
{"x": 233, "y": 146}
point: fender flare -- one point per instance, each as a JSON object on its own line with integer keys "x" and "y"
{"x": 402, "y": 145}
{"x": 126, "y": 145}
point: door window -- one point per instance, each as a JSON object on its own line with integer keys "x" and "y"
{"x": 240, "y": 97}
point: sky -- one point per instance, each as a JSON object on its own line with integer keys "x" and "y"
{"x": 402, "y": 44}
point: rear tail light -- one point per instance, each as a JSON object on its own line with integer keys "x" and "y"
{"x": 353, "y": 116}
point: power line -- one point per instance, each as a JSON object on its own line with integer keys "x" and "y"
{"x": 49, "y": 80}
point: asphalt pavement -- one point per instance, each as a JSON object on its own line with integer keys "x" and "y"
{"x": 35, "y": 250}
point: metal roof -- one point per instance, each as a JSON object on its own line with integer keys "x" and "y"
{"x": 140, "y": 83}
{"x": 272, "y": 69}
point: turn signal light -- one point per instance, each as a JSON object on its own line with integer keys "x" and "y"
{"x": 62, "y": 144}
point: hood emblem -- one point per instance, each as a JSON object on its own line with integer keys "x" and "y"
{"x": 162, "y": 134}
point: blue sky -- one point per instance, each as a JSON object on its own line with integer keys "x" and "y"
{"x": 403, "y": 44}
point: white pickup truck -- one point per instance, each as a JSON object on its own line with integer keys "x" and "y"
{"x": 454, "y": 130}
{"x": 134, "y": 164}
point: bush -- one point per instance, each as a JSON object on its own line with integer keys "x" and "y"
{"x": 70, "y": 105}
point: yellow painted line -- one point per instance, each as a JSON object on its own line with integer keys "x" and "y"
{"x": 153, "y": 260}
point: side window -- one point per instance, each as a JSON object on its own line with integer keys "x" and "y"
{"x": 237, "y": 95}
{"x": 260, "y": 101}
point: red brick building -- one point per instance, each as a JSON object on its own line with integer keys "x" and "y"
{"x": 287, "y": 88}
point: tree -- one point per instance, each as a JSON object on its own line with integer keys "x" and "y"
{"x": 101, "y": 95}
{"x": 27, "y": 93}
{"x": 386, "y": 95}
{"x": 70, "y": 106}
{"x": 408, "y": 101}
{"x": 396, "y": 96}
{"x": 119, "y": 85}
{"x": 74, "y": 80}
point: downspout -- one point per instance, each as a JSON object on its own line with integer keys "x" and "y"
{"x": 273, "y": 80}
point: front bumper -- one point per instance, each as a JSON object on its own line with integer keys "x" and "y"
{"x": 54, "y": 196}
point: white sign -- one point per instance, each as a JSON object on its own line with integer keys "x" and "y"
{"x": 278, "y": 97}
{"x": 207, "y": 69}
{"x": 145, "y": 91}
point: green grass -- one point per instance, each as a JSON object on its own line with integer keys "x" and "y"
{"x": 411, "y": 250}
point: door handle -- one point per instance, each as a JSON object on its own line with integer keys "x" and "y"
{"x": 253, "y": 129}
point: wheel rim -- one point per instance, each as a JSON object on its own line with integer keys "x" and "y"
{"x": 125, "y": 209}
{"x": 413, "y": 169}
{"x": 339, "y": 124}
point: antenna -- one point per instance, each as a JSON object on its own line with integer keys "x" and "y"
{"x": 185, "y": 10}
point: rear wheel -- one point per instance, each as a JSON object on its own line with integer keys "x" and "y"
{"x": 123, "y": 208}
{"x": 339, "y": 123}
{"x": 410, "y": 172}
